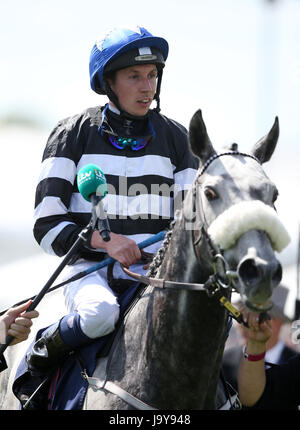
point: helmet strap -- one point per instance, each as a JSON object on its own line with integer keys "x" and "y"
{"x": 157, "y": 94}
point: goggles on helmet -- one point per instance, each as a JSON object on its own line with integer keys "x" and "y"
{"x": 135, "y": 143}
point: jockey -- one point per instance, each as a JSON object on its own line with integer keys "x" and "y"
{"x": 142, "y": 153}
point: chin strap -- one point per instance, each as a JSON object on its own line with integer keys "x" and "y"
{"x": 157, "y": 94}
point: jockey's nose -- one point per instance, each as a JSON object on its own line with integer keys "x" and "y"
{"x": 147, "y": 85}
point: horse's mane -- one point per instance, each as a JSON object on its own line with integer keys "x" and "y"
{"x": 159, "y": 256}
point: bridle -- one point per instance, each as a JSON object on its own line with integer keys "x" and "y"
{"x": 217, "y": 286}
{"x": 222, "y": 276}
{"x": 220, "y": 266}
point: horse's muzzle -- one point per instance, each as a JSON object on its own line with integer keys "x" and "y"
{"x": 259, "y": 278}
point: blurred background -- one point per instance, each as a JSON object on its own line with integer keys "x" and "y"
{"x": 239, "y": 61}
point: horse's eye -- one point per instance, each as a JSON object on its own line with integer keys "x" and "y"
{"x": 210, "y": 194}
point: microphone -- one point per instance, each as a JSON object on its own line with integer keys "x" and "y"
{"x": 92, "y": 186}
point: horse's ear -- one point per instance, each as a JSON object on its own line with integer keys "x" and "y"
{"x": 199, "y": 139}
{"x": 265, "y": 147}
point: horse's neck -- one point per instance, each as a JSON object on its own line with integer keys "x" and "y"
{"x": 180, "y": 262}
{"x": 177, "y": 334}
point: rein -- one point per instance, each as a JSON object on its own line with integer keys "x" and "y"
{"x": 213, "y": 286}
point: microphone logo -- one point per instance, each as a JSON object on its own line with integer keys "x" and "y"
{"x": 91, "y": 180}
{"x": 83, "y": 177}
{"x": 87, "y": 176}
{"x": 100, "y": 175}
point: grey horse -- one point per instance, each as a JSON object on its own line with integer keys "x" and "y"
{"x": 169, "y": 353}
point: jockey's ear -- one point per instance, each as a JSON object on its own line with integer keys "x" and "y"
{"x": 265, "y": 147}
{"x": 199, "y": 140}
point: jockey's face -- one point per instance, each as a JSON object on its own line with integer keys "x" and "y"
{"x": 135, "y": 88}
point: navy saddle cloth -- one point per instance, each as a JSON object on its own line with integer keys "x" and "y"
{"x": 68, "y": 387}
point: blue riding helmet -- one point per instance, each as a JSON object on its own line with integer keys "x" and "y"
{"x": 106, "y": 53}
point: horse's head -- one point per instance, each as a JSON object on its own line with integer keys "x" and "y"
{"x": 236, "y": 199}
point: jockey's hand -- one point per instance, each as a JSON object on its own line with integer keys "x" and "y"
{"x": 17, "y": 322}
{"x": 118, "y": 247}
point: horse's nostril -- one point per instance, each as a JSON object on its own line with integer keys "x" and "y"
{"x": 251, "y": 271}
{"x": 248, "y": 271}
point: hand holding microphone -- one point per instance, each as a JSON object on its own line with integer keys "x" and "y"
{"x": 92, "y": 186}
